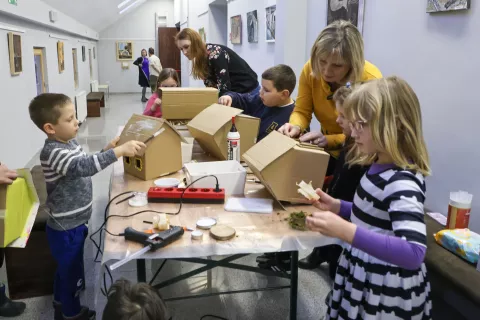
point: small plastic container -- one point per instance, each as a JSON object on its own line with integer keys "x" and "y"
{"x": 459, "y": 210}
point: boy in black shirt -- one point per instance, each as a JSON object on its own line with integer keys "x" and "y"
{"x": 272, "y": 103}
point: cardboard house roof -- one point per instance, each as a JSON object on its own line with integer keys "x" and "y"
{"x": 213, "y": 118}
{"x": 141, "y": 128}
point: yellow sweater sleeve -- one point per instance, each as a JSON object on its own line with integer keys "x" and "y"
{"x": 302, "y": 114}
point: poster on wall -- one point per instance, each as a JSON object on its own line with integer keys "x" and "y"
{"x": 94, "y": 55}
{"x": 350, "y": 10}
{"x": 15, "y": 53}
{"x": 61, "y": 57}
{"x": 203, "y": 35}
{"x": 447, "y": 5}
{"x": 252, "y": 26}
{"x": 83, "y": 54}
{"x": 124, "y": 50}
{"x": 236, "y": 29}
{"x": 270, "y": 23}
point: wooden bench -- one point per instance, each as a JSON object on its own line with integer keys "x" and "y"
{"x": 95, "y": 100}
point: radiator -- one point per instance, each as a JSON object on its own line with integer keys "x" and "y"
{"x": 81, "y": 106}
{"x": 94, "y": 85}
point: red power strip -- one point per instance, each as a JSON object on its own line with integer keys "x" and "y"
{"x": 191, "y": 195}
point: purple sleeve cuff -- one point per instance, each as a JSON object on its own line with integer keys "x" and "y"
{"x": 391, "y": 249}
{"x": 345, "y": 209}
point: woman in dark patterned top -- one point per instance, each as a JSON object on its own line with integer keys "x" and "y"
{"x": 218, "y": 66}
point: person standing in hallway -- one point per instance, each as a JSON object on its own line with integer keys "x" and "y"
{"x": 155, "y": 68}
{"x": 337, "y": 57}
{"x": 143, "y": 73}
{"x": 218, "y": 66}
{"x": 8, "y": 308}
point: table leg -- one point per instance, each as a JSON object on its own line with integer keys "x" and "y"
{"x": 293, "y": 284}
{"x": 141, "y": 270}
{"x": 209, "y": 277}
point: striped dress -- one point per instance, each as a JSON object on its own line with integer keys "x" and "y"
{"x": 388, "y": 202}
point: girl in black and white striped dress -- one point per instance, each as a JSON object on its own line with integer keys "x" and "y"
{"x": 381, "y": 274}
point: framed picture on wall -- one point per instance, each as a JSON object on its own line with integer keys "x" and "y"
{"x": 252, "y": 26}
{"x": 270, "y": 23}
{"x": 447, "y": 5}
{"x": 84, "y": 58}
{"x": 236, "y": 29}
{"x": 15, "y": 53}
{"x": 350, "y": 10}
{"x": 94, "y": 55}
{"x": 124, "y": 50}
{"x": 202, "y": 33}
{"x": 61, "y": 57}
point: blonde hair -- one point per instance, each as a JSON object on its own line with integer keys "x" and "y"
{"x": 342, "y": 38}
{"x": 341, "y": 94}
{"x": 198, "y": 51}
{"x": 391, "y": 109}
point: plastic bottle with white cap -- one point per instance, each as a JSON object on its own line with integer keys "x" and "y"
{"x": 459, "y": 210}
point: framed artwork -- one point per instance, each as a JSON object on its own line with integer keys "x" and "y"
{"x": 61, "y": 57}
{"x": 236, "y": 29}
{"x": 84, "y": 58}
{"x": 203, "y": 34}
{"x": 270, "y": 23}
{"x": 447, "y": 5}
{"x": 15, "y": 53}
{"x": 124, "y": 50}
{"x": 350, "y": 10}
{"x": 94, "y": 55}
{"x": 252, "y": 26}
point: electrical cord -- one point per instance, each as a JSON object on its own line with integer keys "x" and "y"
{"x": 98, "y": 246}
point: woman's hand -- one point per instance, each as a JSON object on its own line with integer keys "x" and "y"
{"x": 326, "y": 202}
{"x": 316, "y": 138}
{"x": 332, "y": 225}
{"x": 225, "y": 100}
{"x": 157, "y": 103}
{"x": 290, "y": 130}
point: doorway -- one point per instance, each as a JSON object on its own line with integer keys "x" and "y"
{"x": 40, "y": 70}
{"x": 167, "y": 49}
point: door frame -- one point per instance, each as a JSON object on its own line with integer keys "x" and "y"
{"x": 40, "y": 52}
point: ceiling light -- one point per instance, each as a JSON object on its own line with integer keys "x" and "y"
{"x": 130, "y": 6}
{"x": 123, "y": 3}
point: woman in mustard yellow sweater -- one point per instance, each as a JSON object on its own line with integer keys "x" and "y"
{"x": 336, "y": 58}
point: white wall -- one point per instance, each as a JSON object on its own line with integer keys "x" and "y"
{"x": 218, "y": 24}
{"x": 20, "y": 139}
{"x": 139, "y": 27}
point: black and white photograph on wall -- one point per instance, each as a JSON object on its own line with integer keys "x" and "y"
{"x": 252, "y": 26}
{"x": 447, "y": 5}
{"x": 270, "y": 23}
{"x": 84, "y": 58}
{"x": 351, "y": 10}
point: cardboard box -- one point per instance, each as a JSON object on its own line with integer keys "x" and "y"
{"x": 18, "y": 208}
{"x": 186, "y": 103}
{"x": 231, "y": 176}
{"x": 163, "y": 154}
{"x": 281, "y": 162}
{"x": 211, "y": 126}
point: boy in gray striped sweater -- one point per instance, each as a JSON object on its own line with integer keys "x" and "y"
{"x": 68, "y": 171}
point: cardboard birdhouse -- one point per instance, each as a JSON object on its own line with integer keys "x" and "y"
{"x": 163, "y": 154}
{"x": 186, "y": 103}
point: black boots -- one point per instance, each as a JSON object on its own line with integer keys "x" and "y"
{"x": 277, "y": 261}
{"x": 9, "y": 308}
{"x": 313, "y": 260}
{"x": 85, "y": 313}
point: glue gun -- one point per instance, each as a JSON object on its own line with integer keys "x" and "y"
{"x": 151, "y": 242}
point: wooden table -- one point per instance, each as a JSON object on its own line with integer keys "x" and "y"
{"x": 256, "y": 233}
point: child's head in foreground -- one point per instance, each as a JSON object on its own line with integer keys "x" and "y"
{"x": 55, "y": 115}
{"x": 278, "y": 83}
{"x": 138, "y": 301}
{"x": 386, "y": 122}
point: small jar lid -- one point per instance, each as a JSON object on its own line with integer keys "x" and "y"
{"x": 197, "y": 235}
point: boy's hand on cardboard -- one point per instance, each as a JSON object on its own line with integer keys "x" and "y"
{"x": 6, "y": 175}
{"x": 156, "y": 104}
{"x": 316, "y": 138}
{"x": 225, "y": 100}
{"x": 290, "y": 130}
{"x": 112, "y": 144}
{"x": 331, "y": 225}
{"x": 326, "y": 202}
{"x": 129, "y": 149}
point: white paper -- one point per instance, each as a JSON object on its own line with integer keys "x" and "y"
{"x": 440, "y": 218}
{"x": 251, "y": 205}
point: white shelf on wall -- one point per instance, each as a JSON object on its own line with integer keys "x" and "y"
{"x": 10, "y": 28}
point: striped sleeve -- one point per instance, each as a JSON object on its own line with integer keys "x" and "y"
{"x": 75, "y": 163}
{"x": 405, "y": 195}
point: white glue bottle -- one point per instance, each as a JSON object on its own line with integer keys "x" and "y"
{"x": 233, "y": 143}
